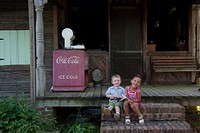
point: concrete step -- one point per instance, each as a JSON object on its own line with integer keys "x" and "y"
{"x": 153, "y": 111}
{"x": 148, "y": 127}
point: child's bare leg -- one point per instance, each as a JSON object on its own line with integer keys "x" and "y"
{"x": 117, "y": 114}
{"x": 117, "y": 109}
{"x": 126, "y": 108}
{"x": 134, "y": 107}
{"x": 110, "y": 108}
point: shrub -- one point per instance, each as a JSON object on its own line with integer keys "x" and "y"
{"x": 80, "y": 124}
{"x": 17, "y": 116}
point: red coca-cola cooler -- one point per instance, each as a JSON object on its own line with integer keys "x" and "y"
{"x": 70, "y": 70}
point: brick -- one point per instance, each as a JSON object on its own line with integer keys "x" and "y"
{"x": 157, "y": 129}
{"x": 159, "y": 118}
{"x": 148, "y": 116}
{"x": 148, "y": 127}
{"x": 145, "y": 129}
{"x": 128, "y": 128}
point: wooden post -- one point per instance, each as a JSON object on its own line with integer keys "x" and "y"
{"x": 40, "y": 68}
{"x": 195, "y": 35}
{"x": 32, "y": 49}
{"x": 146, "y": 59}
{"x": 192, "y": 47}
{"x": 198, "y": 33}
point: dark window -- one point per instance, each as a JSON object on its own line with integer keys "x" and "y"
{"x": 89, "y": 21}
{"x": 168, "y": 24}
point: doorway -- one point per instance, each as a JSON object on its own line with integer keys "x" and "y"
{"x": 126, "y": 41}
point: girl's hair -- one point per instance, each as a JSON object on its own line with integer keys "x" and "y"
{"x": 137, "y": 75}
{"x": 115, "y": 76}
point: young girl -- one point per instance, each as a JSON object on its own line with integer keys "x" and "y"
{"x": 133, "y": 95}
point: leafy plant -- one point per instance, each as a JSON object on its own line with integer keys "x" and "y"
{"x": 17, "y": 116}
{"x": 80, "y": 125}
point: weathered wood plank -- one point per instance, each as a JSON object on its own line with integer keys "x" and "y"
{"x": 172, "y": 64}
{"x": 183, "y": 94}
{"x": 89, "y": 92}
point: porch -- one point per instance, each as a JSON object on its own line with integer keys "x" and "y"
{"x": 186, "y": 95}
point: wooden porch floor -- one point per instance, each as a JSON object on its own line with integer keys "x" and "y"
{"x": 186, "y": 95}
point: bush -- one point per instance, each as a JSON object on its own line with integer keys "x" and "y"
{"x": 17, "y": 116}
{"x": 80, "y": 124}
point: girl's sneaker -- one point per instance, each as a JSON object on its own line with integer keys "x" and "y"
{"x": 127, "y": 120}
{"x": 141, "y": 120}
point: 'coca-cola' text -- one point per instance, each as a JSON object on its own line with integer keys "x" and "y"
{"x": 68, "y": 60}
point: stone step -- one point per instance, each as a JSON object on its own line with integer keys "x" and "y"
{"x": 148, "y": 127}
{"x": 153, "y": 111}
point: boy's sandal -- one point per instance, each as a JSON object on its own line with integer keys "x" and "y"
{"x": 127, "y": 120}
{"x": 106, "y": 111}
{"x": 117, "y": 117}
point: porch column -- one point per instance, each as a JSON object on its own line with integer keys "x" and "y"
{"x": 198, "y": 32}
{"x": 192, "y": 31}
{"x": 40, "y": 68}
{"x": 195, "y": 32}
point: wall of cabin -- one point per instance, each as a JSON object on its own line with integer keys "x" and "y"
{"x": 48, "y": 42}
{"x": 14, "y": 79}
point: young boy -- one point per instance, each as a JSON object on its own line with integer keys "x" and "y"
{"x": 115, "y": 93}
{"x": 133, "y": 95}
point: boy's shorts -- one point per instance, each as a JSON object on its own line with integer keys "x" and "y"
{"x": 120, "y": 103}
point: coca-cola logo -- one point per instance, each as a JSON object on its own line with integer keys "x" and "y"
{"x": 68, "y": 60}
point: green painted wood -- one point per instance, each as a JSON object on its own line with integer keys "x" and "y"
{"x": 24, "y": 47}
{"x": 15, "y": 47}
{"x": 2, "y": 47}
{"x": 7, "y": 47}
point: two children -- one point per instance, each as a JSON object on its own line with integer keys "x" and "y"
{"x": 132, "y": 94}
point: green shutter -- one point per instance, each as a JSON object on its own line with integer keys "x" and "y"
{"x": 14, "y": 47}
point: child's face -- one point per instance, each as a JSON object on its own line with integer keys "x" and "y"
{"x": 116, "y": 81}
{"x": 136, "y": 82}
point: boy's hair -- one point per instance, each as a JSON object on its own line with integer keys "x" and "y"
{"x": 115, "y": 76}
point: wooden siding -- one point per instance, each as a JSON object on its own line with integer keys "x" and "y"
{"x": 99, "y": 59}
{"x": 14, "y": 15}
{"x": 48, "y": 43}
{"x": 15, "y": 80}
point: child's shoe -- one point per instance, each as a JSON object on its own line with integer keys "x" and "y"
{"x": 117, "y": 117}
{"x": 141, "y": 120}
{"x": 106, "y": 111}
{"x": 127, "y": 120}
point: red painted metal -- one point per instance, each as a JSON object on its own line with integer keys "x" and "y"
{"x": 70, "y": 70}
